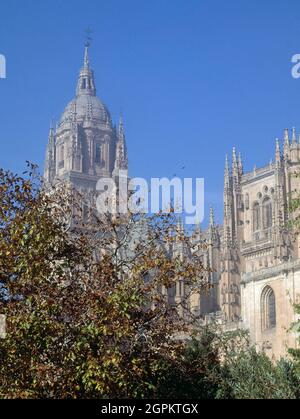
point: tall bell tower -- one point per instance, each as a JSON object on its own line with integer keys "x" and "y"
{"x": 85, "y": 146}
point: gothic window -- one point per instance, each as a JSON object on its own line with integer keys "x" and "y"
{"x": 83, "y": 86}
{"x": 98, "y": 154}
{"x": 268, "y": 308}
{"x": 256, "y": 216}
{"x": 267, "y": 213}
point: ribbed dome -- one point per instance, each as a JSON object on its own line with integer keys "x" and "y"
{"x": 86, "y": 107}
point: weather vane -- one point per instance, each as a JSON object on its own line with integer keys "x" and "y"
{"x": 88, "y": 33}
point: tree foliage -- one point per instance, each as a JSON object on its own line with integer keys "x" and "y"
{"x": 86, "y": 314}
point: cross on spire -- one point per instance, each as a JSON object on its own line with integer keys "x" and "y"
{"x": 88, "y": 33}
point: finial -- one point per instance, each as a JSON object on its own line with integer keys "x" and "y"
{"x": 226, "y": 164}
{"x": 233, "y": 156}
{"x": 121, "y": 161}
{"x": 86, "y": 81}
{"x": 286, "y": 136}
{"x": 286, "y": 147}
{"x": 51, "y": 137}
{"x": 294, "y": 140}
{"x": 87, "y": 45}
{"x": 52, "y": 125}
{"x": 234, "y": 165}
{"x": 52, "y": 129}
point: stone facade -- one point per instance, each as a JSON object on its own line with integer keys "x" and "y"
{"x": 254, "y": 257}
{"x": 284, "y": 281}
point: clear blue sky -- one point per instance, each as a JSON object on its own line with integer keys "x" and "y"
{"x": 193, "y": 78}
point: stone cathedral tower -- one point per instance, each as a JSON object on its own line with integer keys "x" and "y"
{"x": 85, "y": 146}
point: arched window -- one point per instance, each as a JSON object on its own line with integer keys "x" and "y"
{"x": 83, "y": 84}
{"x": 256, "y": 216}
{"x": 268, "y": 308}
{"x": 267, "y": 213}
{"x": 98, "y": 153}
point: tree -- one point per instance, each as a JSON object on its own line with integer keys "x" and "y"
{"x": 252, "y": 375}
{"x": 86, "y": 309}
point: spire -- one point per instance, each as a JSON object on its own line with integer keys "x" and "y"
{"x": 226, "y": 164}
{"x": 235, "y": 169}
{"x": 240, "y": 165}
{"x": 86, "y": 82}
{"x": 286, "y": 146}
{"x": 294, "y": 139}
{"x": 227, "y": 173}
{"x": 234, "y": 159}
{"x": 121, "y": 162}
{"x": 286, "y": 136}
{"x": 51, "y": 132}
{"x": 211, "y": 217}
{"x": 52, "y": 124}
{"x": 50, "y": 162}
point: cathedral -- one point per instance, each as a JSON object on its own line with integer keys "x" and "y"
{"x": 254, "y": 257}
